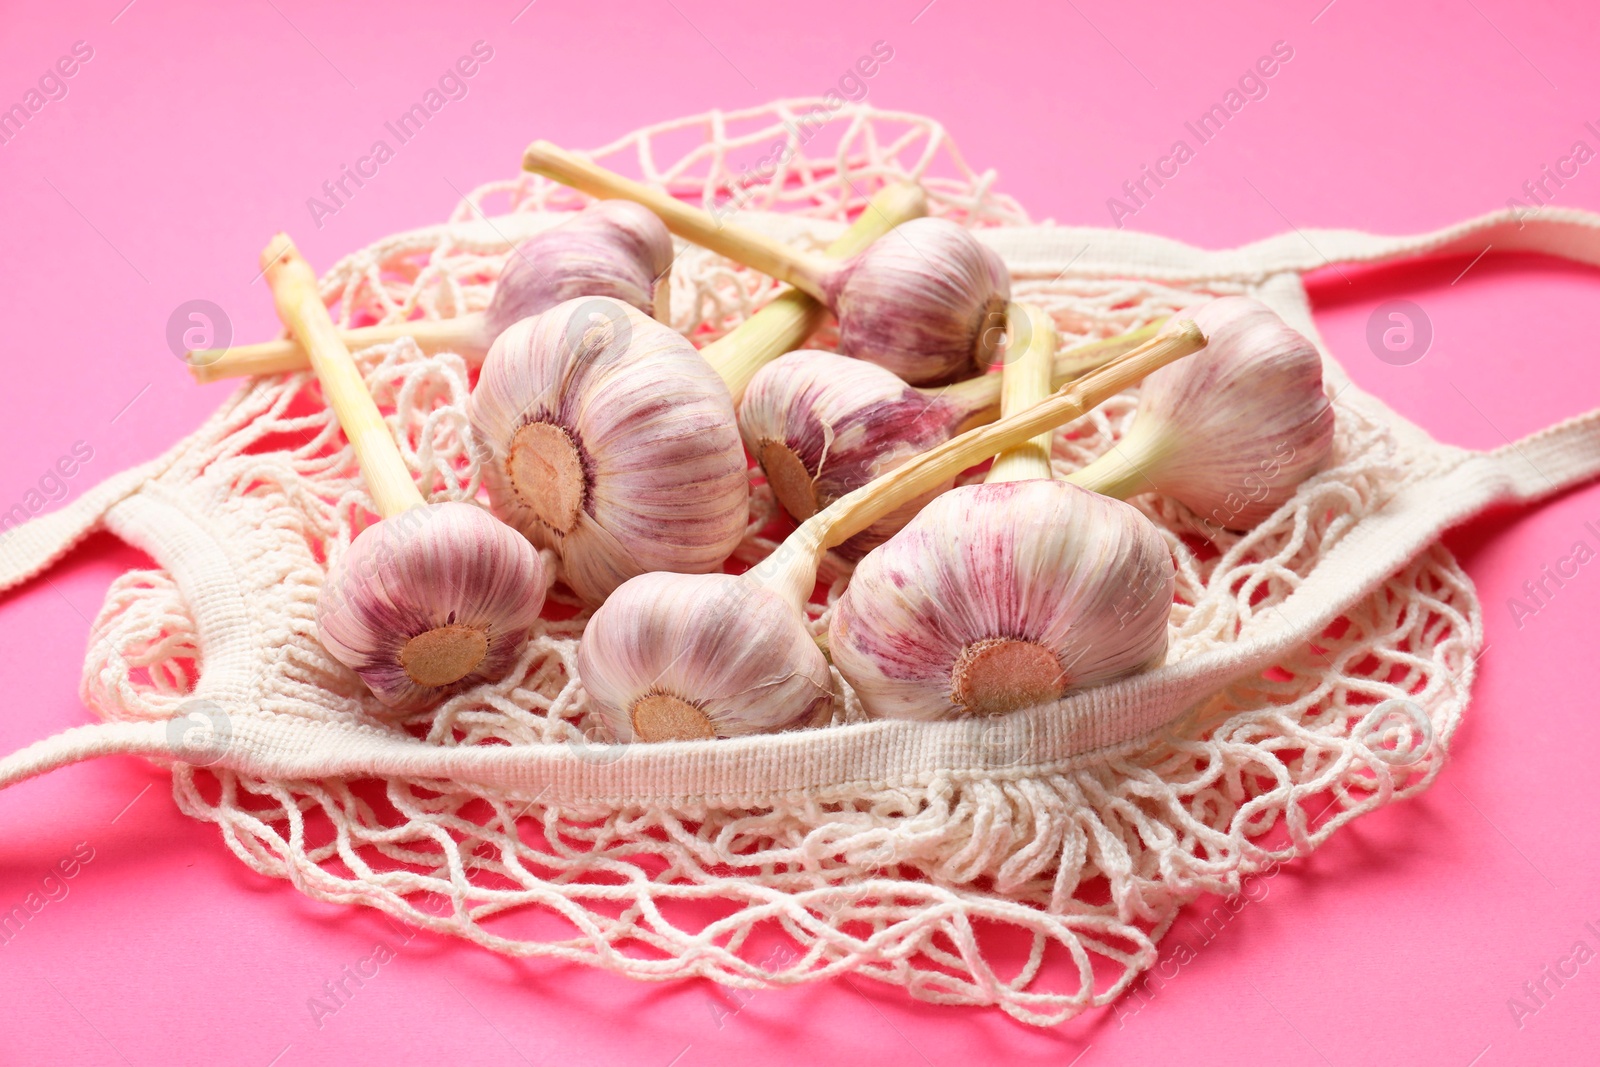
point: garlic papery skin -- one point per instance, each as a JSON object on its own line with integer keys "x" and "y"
{"x": 928, "y": 303}
{"x": 609, "y": 441}
{"x": 1002, "y": 596}
{"x": 679, "y": 657}
{"x": 792, "y": 316}
{"x": 431, "y": 601}
{"x": 611, "y": 248}
{"x": 654, "y": 621}
{"x": 433, "y": 597}
{"x": 1232, "y": 433}
{"x": 1008, "y": 594}
{"x": 822, "y": 425}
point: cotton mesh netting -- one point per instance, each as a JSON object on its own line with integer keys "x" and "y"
{"x": 1043, "y": 890}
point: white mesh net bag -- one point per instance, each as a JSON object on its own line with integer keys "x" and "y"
{"x": 1319, "y": 664}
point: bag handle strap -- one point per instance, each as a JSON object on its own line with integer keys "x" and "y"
{"x": 32, "y": 548}
{"x": 1567, "y": 233}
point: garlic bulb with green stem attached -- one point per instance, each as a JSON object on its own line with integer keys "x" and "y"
{"x": 926, "y": 301}
{"x": 609, "y": 440}
{"x": 1232, "y": 433}
{"x": 1006, "y": 594}
{"x": 822, "y": 425}
{"x": 611, "y": 248}
{"x": 434, "y": 597}
{"x": 678, "y": 657}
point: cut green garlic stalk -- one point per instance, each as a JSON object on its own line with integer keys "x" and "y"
{"x": 822, "y": 425}
{"x": 1232, "y": 433}
{"x": 926, "y": 301}
{"x": 612, "y": 248}
{"x": 610, "y": 441}
{"x": 678, "y": 657}
{"x": 434, "y": 597}
{"x": 1007, "y": 594}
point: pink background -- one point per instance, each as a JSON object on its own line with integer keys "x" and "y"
{"x": 196, "y": 130}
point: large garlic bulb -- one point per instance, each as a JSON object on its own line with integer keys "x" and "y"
{"x": 1002, "y": 596}
{"x": 1232, "y": 432}
{"x": 677, "y": 657}
{"x": 670, "y": 657}
{"x": 431, "y": 601}
{"x": 610, "y": 441}
{"x": 1008, "y": 594}
{"x": 822, "y": 425}
{"x": 926, "y": 300}
{"x": 435, "y": 596}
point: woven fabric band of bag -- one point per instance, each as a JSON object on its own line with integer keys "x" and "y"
{"x": 1318, "y": 668}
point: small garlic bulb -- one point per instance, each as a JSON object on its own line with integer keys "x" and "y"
{"x": 671, "y": 657}
{"x": 822, "y": 425}
{"x": 612, "y": 248}
{"x": 431, "y": 601}
{"x": 610, "y": 441}
{"x": 1231, "y": 433}
{"x": 678, "y": 657}
{"x": 1002, "y": 596}
{"x": 926, "y": 301}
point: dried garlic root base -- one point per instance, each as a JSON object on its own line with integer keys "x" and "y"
{"x": 432, "y": 597}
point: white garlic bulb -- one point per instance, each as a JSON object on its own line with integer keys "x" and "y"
{"x": 822, "y": 425}
{"x": 1008, "y": 594}
{"x": 431, "y": 601}
{"x": 612, "y": 248}
{"x": 926, "y": 300}
{"x": 677, "y": 658}
{"x": 610, "y": 441}
{"x": 432, "y": 598}
{"x": 1232, "y": 433}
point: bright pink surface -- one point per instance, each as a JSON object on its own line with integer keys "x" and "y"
{"x": 196, "y": 130}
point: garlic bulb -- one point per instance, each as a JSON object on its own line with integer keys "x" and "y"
{"x": 431, "y": 601}
{"x": 681, "y": 657}
{"x": 610, "y": 441}
{"x": 432, "y": 598}
{"x": 1231, "y": 433}
{"x": 1007, "y": 594}
{"x": 822, "y": 425}
{"x": 926, "y": 300}
{"x": 611, "y": 248}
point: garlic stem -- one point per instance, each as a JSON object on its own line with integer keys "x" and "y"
{"x": 981, "y": 395}
{"x": 792, "y": 316}
{"x": 785, "y": 571}
{"x": 1120, "y": 472}
{"x": 300, "y": 306}
{"x": 1030, "y": 351}
{"x": 285, "y": 354}
{"x": 755, "y": 250}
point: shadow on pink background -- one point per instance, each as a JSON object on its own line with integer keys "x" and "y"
{"x": 194, "y": 131}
